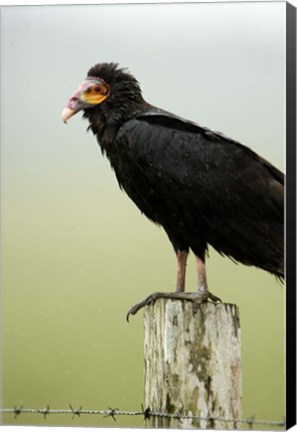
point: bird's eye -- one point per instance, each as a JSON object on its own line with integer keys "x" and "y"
{"x": 97, "y": 89}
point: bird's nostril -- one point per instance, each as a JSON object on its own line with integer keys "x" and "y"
{"x": 72, "y": 102}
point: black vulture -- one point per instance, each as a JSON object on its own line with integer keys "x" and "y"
{"x": 202, "y": 187}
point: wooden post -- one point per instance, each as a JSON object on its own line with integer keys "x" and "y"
{"x": 192, "y": 363}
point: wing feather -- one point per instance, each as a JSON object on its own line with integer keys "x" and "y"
{"x": 204, "y": 185}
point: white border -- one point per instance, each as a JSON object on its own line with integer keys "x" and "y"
{"x": 94, "y": 2}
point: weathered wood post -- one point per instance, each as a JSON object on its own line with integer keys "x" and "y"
{"x": 192, "y": 363}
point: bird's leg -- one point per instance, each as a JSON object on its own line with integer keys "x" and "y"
{"x": 179, "y": 294}
{"x": 181, "y": 270}
{"x": 202, "y": 282}
{"x": 203, "y": 292}
{"x": 198, "y": 297}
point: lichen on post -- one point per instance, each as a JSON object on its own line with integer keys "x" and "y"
{"x": 192, "y": 364}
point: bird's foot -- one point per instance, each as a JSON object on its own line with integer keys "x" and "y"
{"x": 157, "y": 295}
{"x": 194, "y": 297}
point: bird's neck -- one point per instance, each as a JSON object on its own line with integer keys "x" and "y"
{"x": 106, "y": 123}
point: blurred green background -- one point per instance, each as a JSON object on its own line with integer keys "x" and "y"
{"x": 76, "y": 253}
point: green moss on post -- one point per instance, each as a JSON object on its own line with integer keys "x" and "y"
{"x": 192, "y": 363}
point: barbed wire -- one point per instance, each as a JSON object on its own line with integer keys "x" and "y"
{"x": 146, "y": 413}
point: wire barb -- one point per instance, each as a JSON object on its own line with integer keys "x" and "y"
{"x": 112, "y": 412}
{"x": 250, "y": 422}
{"x": 76, "y": 412}
{"x": 45, "y": 411}
{"x": 146, "y": 412}
{"x": 17, "y": 411}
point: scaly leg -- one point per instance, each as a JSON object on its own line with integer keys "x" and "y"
{"x": 203, "y": 292}
{"x": 181, "y": 270}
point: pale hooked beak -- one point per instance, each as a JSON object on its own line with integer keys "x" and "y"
{"x": 66, "y": 114}
{"x": 74, "y": 104}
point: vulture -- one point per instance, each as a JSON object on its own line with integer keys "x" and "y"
{"x": 202, "y": 187}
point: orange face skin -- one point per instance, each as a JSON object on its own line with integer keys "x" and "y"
{"x": 92, "y": 91}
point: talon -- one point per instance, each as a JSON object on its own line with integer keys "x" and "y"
{"x": 131, "y": 311}
{"x": 214, "y": 298}
{"x": 148, "y": 300}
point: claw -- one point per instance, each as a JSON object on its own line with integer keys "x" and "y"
{"x": 214, "y": 298}
{"x": 148, "y": 300}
